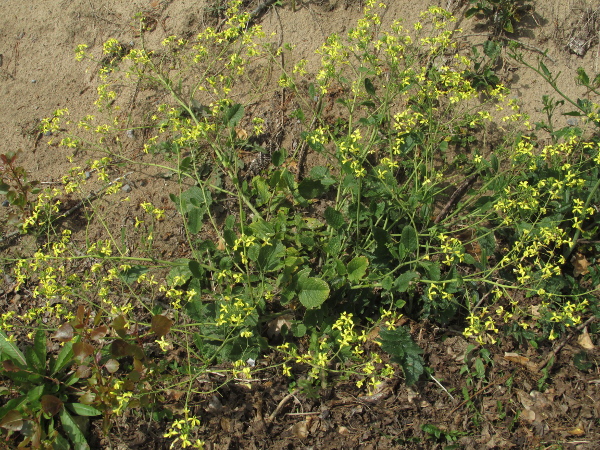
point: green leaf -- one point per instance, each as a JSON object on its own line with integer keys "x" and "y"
{"x": 181, "y": 269}
{"x": 10, "y": 349}
{"x": 278, "y": 158}
{"x": 400, "y": 345}
{"x": 402, "y": 283}
{"x": 271, "y": 257}
{"x": 196, "y": 269}
{"x": 582, "y": 361}
{"x": 4, "y": 188}
{"x": 433, "y": 269}
{"x": 299, "y": 330}
{"x": 39, "y": 351}
{"x": 334, "y": 245}
{"x": 334, "y": 218}
{"x": 35, "y": 393}
{"x": 357, "y": 268}
{"x": 131, "y": 275}
{"x": 312, "y": 292}
{"x": 63, "y": 359}
{"x": 409, "y": 238}
{"x": 83, "y": 410}
{"x": 234, "y": 114}
{"x": 321, "y": 173}
{"x": 545, "y": 70}
{"x": 73, "y": 431}
{"x": 194, "y": 204}
{"x": 471, "y": 12}
{"x": 582, "y": 77}
{"x": 494, "y": 162}
{"x": 369, "y": 87}
{"x": 194, "y": 220}
{"x": 310, "y": 188}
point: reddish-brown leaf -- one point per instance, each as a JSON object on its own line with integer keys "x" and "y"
{"x": 64, "y": 333}
{"x": 12, "y": 421}
{"x": 98, "y": 333}
{"x": 82, "y": 350}
{"x": 83, "y": 372}
{"x": 119, "y": 348}
{"x": 51, "y": 404}
{"x": 161, "y": 325}
{"x": 112, "y": 365}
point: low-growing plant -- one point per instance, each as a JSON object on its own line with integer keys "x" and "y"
{"x": 501, "y": 15}
{"x": 89, "y": 376}
{"x": 412, "y": 210}
{"x": 16, "y": 186}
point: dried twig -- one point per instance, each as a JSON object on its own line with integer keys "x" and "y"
{"x": 91, "y": 197}
{"x": 280, "y": 406}
{"x": 460, "y": 191}
{"x": 483, "y": 389}
{"x": 559, "y": 347}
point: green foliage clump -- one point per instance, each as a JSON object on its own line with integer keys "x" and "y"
{"x": 417, "y": 208}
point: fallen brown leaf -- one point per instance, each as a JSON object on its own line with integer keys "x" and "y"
{"x": 585, "y": 341}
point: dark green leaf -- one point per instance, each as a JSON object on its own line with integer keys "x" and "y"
{"x": 271, "y": 257}
{"x": 369, "y": 87}
{"x": 310, "y": 188}
{"x": 196, "y": 269}
{"x": 73, "y": 431}
{"x": 38, "y": 355}
{"x": 471, "y": 12}
{"x": 278, "y": 158}
{"x": 582, "y": 361}
{"x": 234, "y": 114}
{"x": 334, "y": 218}
{"x": 63, "y": 359}
{"x": 409, "y": 238}
{"x": 494, "y": 162}
{"x": 322, "y": 174}
{"x": 400, "y": 345}
{"x": 11, "y": 350}
{"x": 33, "y": 395}
{"x": 402, "y": 283}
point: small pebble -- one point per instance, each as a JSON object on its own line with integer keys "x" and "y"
{"x": 571, "y": 122}
{"x": 126, "y": 188}
{"x": 34, "y": 81}
{"x": 130, "y": 134}
{"x": 48, "y": 133}
{"x": 5, "y": 203}
{"x": 87, "y": 175}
